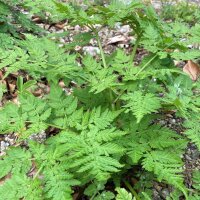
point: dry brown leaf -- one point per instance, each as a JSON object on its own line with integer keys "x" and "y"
{"x": 60, "y": 25}
{"x": 15, "y": 100}
{"x": 37, "y": 19}
{"x": 62, "y": 84}
{"x": 1, "y": 75}
{"x": 6, "y": 177}
{"x": 37, "y": 92}
{"x": 192, "y": 69}
{"x": 118, "y": 38}
{"x": 11, "y": 87}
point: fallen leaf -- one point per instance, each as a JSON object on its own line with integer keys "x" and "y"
{"x": 1, "y": 75}
{"x": 11, "y": 87}
{"x": 37, "y": 19}
{"x": 60, "y": 25}
{"x": 61, "y": 84}
{"x": 192, "y": 69}
{"x": 38, "y": 92}
{"x": 16, "y": 101}
{"x": 118, "y": 38}
{"x": 6, "y": 177}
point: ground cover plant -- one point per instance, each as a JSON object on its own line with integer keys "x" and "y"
{"x": 104, "y": 140}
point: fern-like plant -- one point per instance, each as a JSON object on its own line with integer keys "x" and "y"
{"x": 106, "y": 128}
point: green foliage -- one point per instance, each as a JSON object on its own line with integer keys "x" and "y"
{"x": 141, "y": 105}
{"x": 102, "y": 125}
{"x": 196, "y": 185}
{"x": 39, "y": 57}
{"x": 183, "y": 11}
{"x": 12, "y": 19}
{"x": 193, "y": 131}
{"x": 25, "y": 119}
{"x": 123, "y": 194}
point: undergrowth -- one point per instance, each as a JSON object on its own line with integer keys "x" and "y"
{"x": 106, "y": 127}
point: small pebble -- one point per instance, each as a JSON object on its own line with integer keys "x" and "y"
{"x": 39, "y": 137}
{"x": 4, "y": 146}
{"x": 125, "y": 29}
{"x": 165, "y": 193}
{"x": 93, "y": 51}
{"x": 188, "y": 157}
{"x": 173, "y": 121}
{"x": 77, "y": 28}
{"x": 162, "y": 122}
{"x": 195, "y": 154}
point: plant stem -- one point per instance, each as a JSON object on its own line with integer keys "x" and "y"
{"x": 119, "y": 96}
{"x": 146, "y": 64}
{"x": 132, "y": 190}
{"x": 104, "y": 63}
{"x": 39, "y": 170}
{"x": 92, "y": 28}
{"x": 101, "y": 51}
{"x": 111, "y": 99}
{"x": 135, "y": 48}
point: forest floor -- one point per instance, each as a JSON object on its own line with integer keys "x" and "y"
{"x": 119, "y": 37}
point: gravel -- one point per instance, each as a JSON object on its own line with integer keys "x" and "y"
{"x": 39, "y": 137}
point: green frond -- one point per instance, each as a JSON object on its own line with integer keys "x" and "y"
{"x": 123, "y": 194}
{"x": 166, "y": 166}
{"x": 101, "y": 119}
{"x": 105, "y": 196}
{"x": 141, "y": 104}
{"x": 94, "y": 155}
{"x": 19, "y": 186}
{"x": 194, "y": 197}
{"x": 188, "y": 55}
{"x": 193, "y": 131}
{"x": 89, "y": 99}
{"x": 196, "y": 180}
{"x": 58, "y": 183}
{"x": 17, "y": 161}
{"x": 10, "y": 119}
{"x": 40, "y": 57}
{"x": 142, "y": 140}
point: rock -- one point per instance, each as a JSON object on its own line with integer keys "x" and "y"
{"x": 39, "y": 137}
{"x": 165, "y": 193}
{"x": 157, "y": 187}
{"x": 62, "y": 40}
{"x": 195, "y": 154}
{"x": 124, "y": 29}
{"x": 3, "y": 146}
{"x": 156, "y": 195}
{"x": 172, "y": 121}
{"x": 162, "y": 122}
{"x": 126, "y": 2}
{"x": 77, "y": 28}
{"x": 93, "y": 51}
{"x": 188, "y": 157}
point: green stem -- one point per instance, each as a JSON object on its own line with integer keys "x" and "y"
{"x": 135, "y": 48}
{"x": 101, "y": 52}
{"x": 132, "y": 190}
{"x": 92, "y": 28}
{"x": 111, "y": 99}
{"x": 146, "y": 64}
{"x": 136, "y": 76}
{"x": 104, "y": 62}
{"x": 151, "y": 60}
{"x": 39, "y": 170}
{"x": 119, "y": 96}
